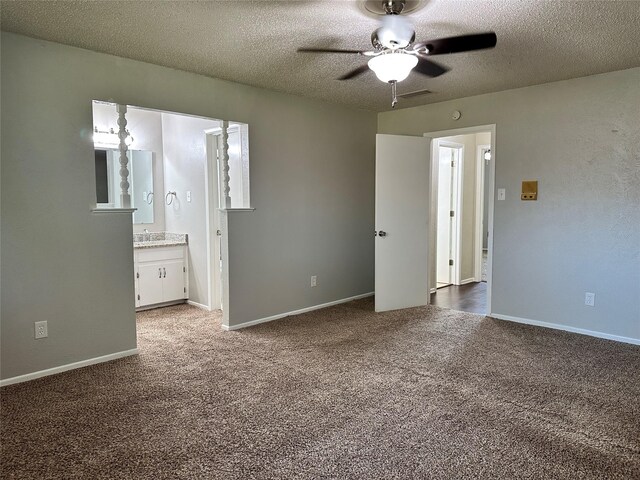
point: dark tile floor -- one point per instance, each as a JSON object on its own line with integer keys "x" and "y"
{"x": 471, "y": 297}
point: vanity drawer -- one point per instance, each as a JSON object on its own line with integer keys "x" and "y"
{"x": 160, "y": 254}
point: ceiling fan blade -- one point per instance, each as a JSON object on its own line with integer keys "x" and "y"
{"x": 429, "y": 67}
{"x": 462, "y": 43}
{"x": 328, "y": 50}
{"x": 355, "y": 72}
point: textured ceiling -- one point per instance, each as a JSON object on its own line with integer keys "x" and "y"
{"x": 254, "y": 42}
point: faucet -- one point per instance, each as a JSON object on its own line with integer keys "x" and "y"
{"x": 147, "y": 234}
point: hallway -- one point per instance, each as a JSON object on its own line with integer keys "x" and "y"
{"x": 471, "y": 297}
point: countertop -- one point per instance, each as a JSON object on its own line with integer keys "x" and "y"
{"x": 158, "y": 243}
{"x": 159, "y": 239}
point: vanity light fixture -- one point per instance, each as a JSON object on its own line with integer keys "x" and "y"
{"x": 110, "y": 137}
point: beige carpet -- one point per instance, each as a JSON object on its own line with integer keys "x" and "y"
{"x": 338, "y": 393}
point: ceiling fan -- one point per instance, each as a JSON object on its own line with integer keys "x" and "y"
{"x": 396, "y": 54}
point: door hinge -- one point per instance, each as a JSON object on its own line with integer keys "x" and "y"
{"x": 450, "y": 262}
{"x": 137, "y": 275}
{"x": 138, "y": 297}
{"x": 185, "y": 289}
{"x": 453, "y": 163}
{"x": 184, "y": 269}
{"x": 451, "y": 213}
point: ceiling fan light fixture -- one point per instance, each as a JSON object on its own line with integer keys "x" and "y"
{"x": 393, "y": 66}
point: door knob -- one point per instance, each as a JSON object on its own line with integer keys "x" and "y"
{"x": 382, "y": 233}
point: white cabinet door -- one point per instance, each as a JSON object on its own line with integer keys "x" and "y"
{"x": 150, "y": 283}
{"x": 173, "y": 280}
{"x": 402, "y": 216}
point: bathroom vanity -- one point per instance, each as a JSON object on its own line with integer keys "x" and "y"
{"x": 160, "y": 269}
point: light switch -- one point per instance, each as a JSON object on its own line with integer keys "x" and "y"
{"x": 189, "y": 196}
{"x": 502, "y": 193}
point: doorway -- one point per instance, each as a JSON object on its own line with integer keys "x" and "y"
{"x": 461, "y": 219}
{"x": 406, "y": 213}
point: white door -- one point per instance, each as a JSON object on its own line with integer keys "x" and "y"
{"x": 402, "y": 215}
{"x": 445, "y": 221}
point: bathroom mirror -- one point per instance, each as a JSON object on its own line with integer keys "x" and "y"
{"x": 140, "y": 181}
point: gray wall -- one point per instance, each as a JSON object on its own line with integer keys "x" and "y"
{"x": 581, "y": 140}
{"x": 314, "y": 200}
{"x": 312, "y": 185}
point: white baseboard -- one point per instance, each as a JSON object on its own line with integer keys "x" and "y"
{"x": 468, "y": 280}
{"x": 566, "y": 328}
{"x": 295, "y": 312}
{"x": 69, "y": 366}
{"x": 198, "y": 305}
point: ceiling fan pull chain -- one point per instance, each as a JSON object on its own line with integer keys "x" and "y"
{"x": 394, "y": 97}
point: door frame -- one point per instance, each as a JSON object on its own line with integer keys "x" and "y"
{"x": 479, "y": 201}
{"x": 492, "y": 171}
{"x": 458, "y": 179}
{"x": 213, "y": 220}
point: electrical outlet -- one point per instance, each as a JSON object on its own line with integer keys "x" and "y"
{"x": 314, "y": 280}
{"x": 40, "y": 329}
{"x": 589, "y": 299}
